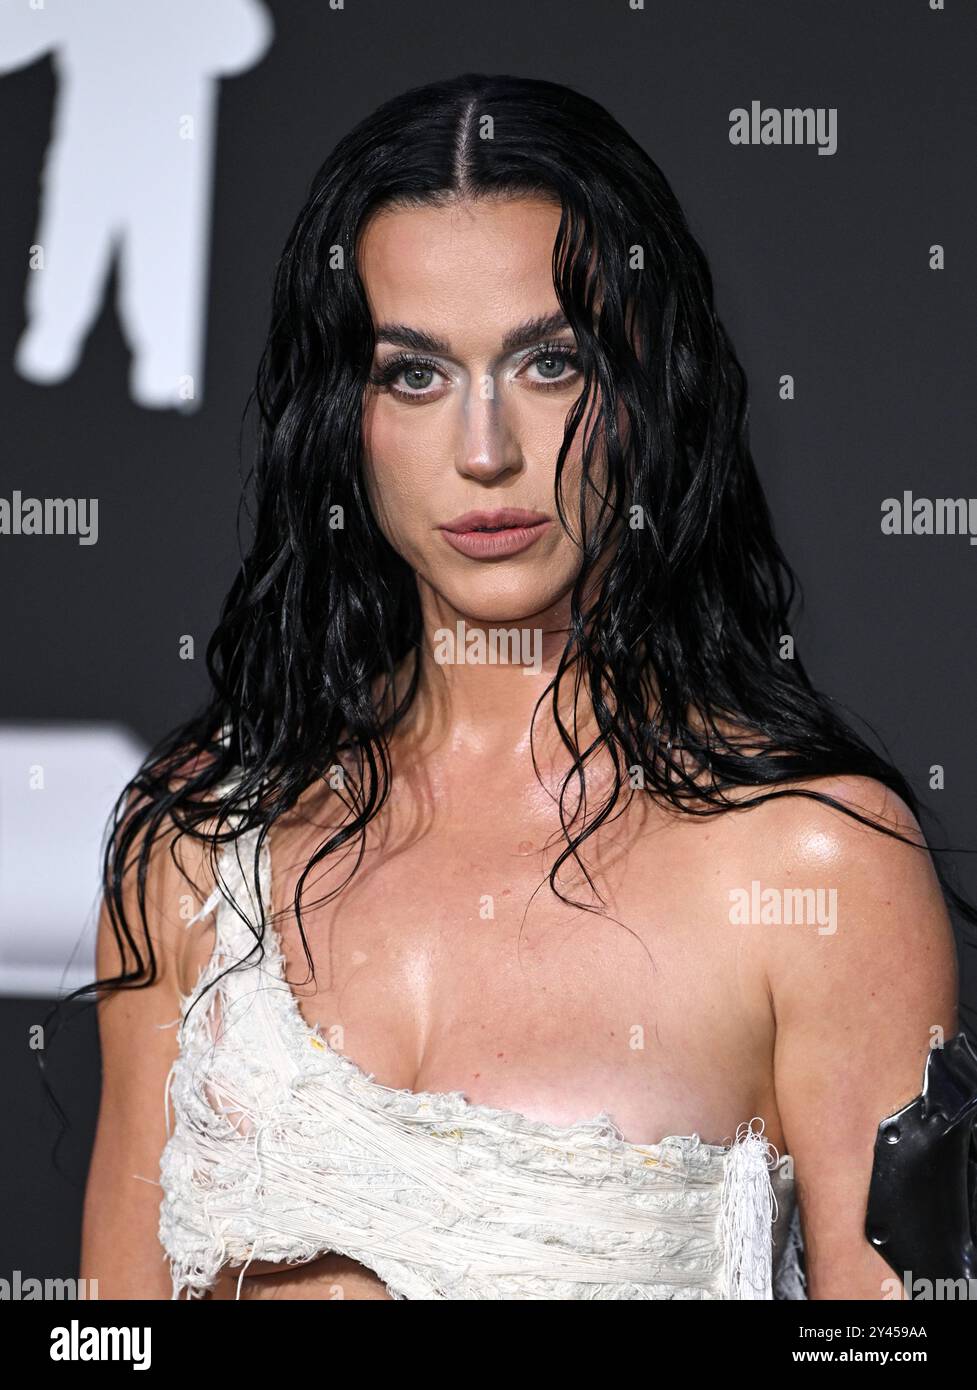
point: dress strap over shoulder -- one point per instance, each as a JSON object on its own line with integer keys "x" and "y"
{"x": 234, "y": 893}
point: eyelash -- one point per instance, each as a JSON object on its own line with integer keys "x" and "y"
{"x": 386, "y": 375}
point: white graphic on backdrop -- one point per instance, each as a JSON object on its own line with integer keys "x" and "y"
{"x": 128, "y": 173}
{"x": 58, "y": 783}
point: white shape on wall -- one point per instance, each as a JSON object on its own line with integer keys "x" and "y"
{"x": 128, "y": 172}
{"x": 58, "y": 784}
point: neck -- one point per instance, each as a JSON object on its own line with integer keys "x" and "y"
{"x": 478, "y": 684}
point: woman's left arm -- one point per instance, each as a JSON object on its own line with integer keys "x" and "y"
{"x": 859, "y": 998}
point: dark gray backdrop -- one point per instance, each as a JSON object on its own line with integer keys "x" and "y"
{"x": 821, "y": 267}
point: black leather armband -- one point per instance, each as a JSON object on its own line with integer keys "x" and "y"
{"x": 922, "y": 1202}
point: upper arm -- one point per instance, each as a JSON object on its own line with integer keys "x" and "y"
{"x": 857, "y": 1009}
{"x": 138, "y": 1033}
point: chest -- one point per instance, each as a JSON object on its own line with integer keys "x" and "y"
{"x": 447, "y": 962}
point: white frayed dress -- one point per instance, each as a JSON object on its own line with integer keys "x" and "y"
{"x": 280, "y": 1148}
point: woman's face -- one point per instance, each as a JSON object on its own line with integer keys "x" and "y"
{"x": 473, "y": 375}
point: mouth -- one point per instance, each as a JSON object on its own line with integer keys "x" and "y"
{"x": 504, "y": 519}
{"x": 494, "y": 535}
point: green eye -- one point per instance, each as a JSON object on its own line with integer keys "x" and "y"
{"x": 406, "y": 376}
{"x": 555, "y": 365}
{"x": 550, "y": 367}
{"x": 418, "y": 378}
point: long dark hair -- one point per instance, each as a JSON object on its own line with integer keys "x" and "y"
{"x": 680, "y": 644}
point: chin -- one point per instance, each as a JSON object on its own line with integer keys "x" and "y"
{"x": 501, "y": 602}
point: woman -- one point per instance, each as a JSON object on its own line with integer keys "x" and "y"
{"x": 507, "y": 674}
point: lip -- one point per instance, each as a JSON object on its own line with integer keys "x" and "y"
{"x": 518, "y": 529}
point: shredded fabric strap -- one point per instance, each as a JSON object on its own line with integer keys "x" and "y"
{"x": 749, "y": 1207}
{"x": 282, "y": 1149}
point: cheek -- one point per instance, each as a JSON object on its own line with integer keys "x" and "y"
{"x": 410, "y": 464}
{"x": 541, "y": 437}
{"x": 538, "y": 425}
{"x": 401, "y": 465}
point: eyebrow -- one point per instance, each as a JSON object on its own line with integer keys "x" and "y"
{"x": 524, "y": 335}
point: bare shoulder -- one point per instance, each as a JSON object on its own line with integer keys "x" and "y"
{"x": 853, "y": 934}
{"x": 791, "y": 809}
{"x": 178, "y": 870}
{"x": 856, "y": 846}
{"x": 845, "y": 907}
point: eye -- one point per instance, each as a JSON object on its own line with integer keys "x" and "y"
{"x": 406, "y": 376}
{"x": 551, "y": 366}
{"x": 557, "y": 365}
{"x": 417, "y": 378}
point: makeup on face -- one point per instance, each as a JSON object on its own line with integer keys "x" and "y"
{"x": 474, "y": 373}
{"x": 425, "y": 368}
{"x": 492, "y": 535}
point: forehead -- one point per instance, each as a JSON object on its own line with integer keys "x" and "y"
{"x": 470, "y": 268}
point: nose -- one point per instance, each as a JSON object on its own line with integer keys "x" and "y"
{"x": 488, "y": 445}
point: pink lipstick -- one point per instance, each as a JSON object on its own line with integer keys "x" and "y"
{"x": 494, "y": 535}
